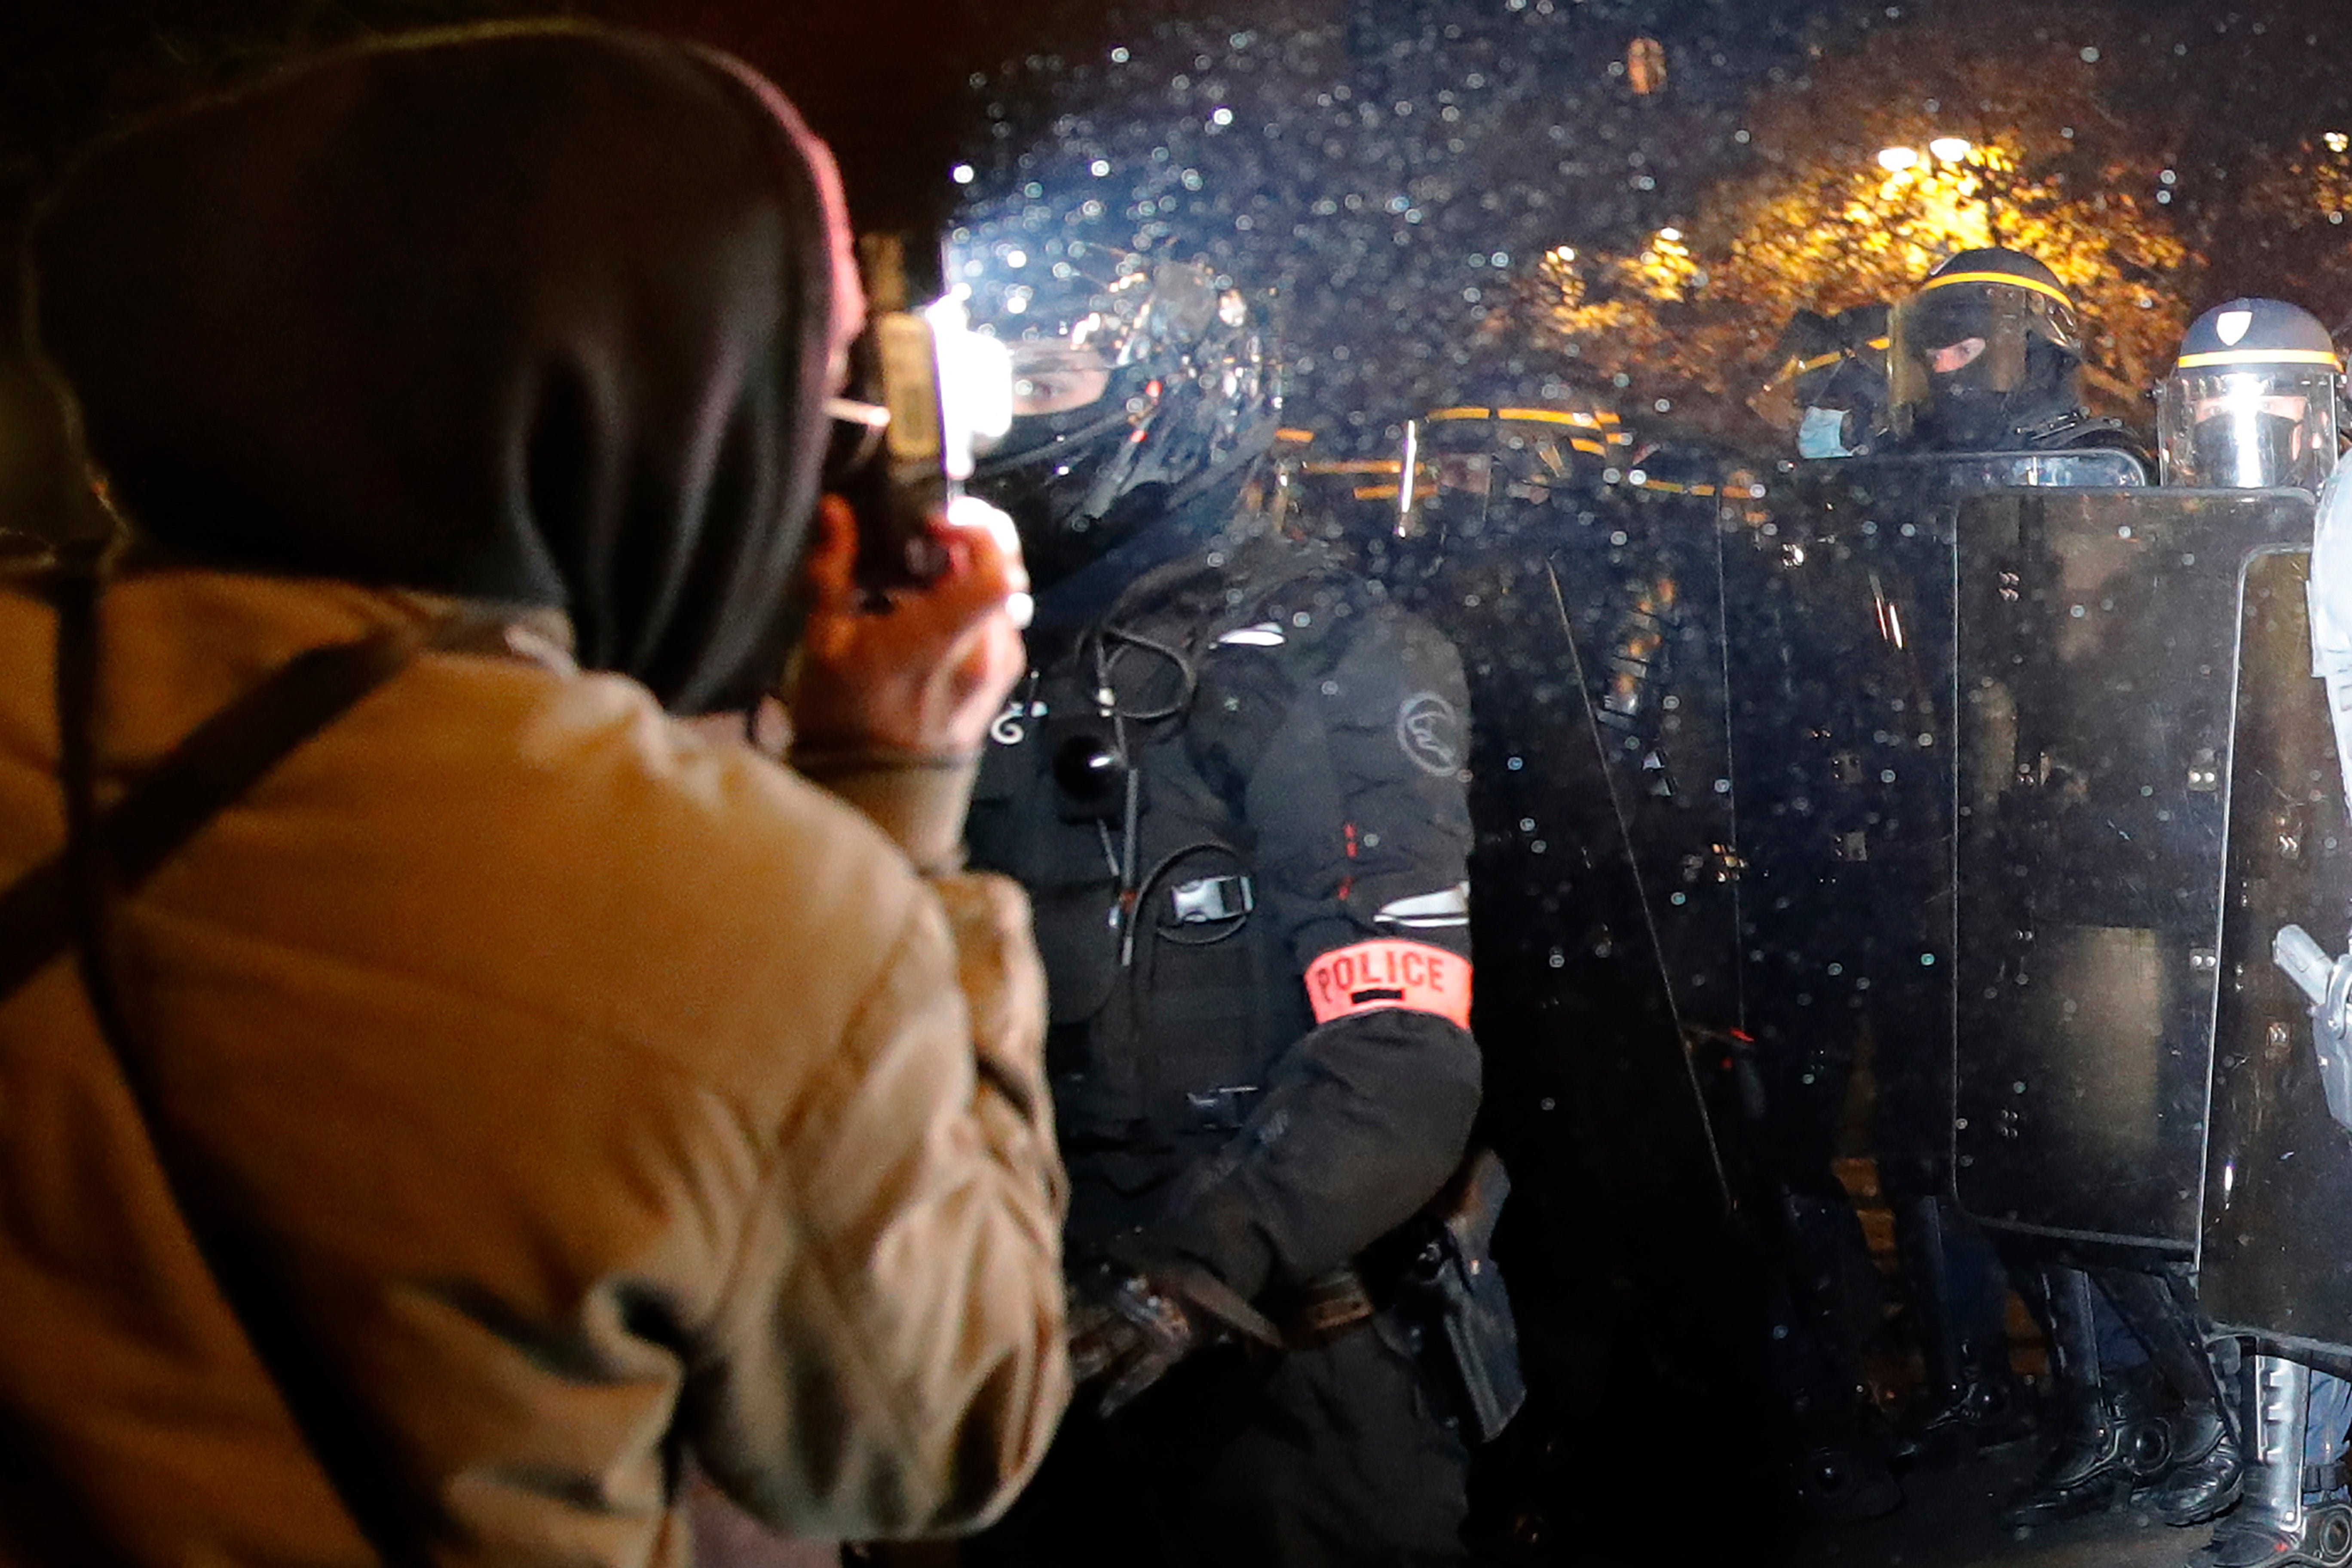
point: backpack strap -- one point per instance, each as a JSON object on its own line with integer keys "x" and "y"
{"x": 206, "y": 774}
{"x": 68, "y": 904}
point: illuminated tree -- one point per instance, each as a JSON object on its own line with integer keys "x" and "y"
{"x": 2311, "y": 187}
{"x": 1858, "y": 181}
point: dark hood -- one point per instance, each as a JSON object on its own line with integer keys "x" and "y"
{"x": 539, "y": 314}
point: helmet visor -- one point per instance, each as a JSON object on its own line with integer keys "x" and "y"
{"x": 1057, "y": 375}
{"x": 1964, "y": 339}
{"x": 2248, "y": 428}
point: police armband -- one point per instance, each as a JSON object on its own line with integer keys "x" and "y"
{"x": 1389, "y": 973}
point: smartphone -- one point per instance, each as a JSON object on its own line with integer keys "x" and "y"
{"x": 929, "y": 395}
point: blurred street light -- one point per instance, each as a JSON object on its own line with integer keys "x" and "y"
{"x": 1946, "y": 153}
{"x": 1645, "y": 66}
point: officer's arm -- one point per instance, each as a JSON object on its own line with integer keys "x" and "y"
{"x": 1357, "y": 798}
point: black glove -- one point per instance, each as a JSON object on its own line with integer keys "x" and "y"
{"x": 1125, "y": 1332}
{"x": 1133, "y": 1319}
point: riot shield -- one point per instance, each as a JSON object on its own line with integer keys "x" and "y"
{"x": 2275, "y": 1262}
{"x": 1839, "y": 669}
{"x": 1840, "y": 672}
{"x": 1588, "y": 625}
{"x": 1641, "y": 606}
{"x": 2097, "y": 644}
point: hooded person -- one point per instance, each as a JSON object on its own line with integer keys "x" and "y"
{"x": 512, "y": 1098}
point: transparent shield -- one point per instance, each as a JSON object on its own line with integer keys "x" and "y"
{"x": 2253, "y": 428}
{"x": 2098, "y": 667}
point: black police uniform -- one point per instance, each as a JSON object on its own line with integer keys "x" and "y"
{"x": 1245, "y": 783}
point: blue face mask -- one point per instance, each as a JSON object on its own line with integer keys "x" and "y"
{"x": 1823, "y": 435}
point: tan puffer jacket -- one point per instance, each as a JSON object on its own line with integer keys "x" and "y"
{"x": 611, "y": 1095}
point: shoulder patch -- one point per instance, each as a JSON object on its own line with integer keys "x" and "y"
{"x": 1429, "y": 730}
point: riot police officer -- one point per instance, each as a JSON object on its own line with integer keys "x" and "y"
{"x": 2252, "y": 403}
{"x": 1984, "y": 357}
{"x": 2251, "y": 400}
{"x": 1233, "y": 784}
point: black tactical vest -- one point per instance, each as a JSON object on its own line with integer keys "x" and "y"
{"x": 1112, "y": 791}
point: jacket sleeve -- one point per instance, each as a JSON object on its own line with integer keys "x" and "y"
{"x": 1351, "y": 778}
{"x": 889, "y": 1356}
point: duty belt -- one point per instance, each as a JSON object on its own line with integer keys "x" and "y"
{"x": 1327, "y": 1307}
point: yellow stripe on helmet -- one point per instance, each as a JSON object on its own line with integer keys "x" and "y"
{"x": 2261, "y": 356}
{"x": 2010, "y": 278}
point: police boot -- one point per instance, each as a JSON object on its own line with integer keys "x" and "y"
{"x": 1835, "y": 1283}
{"x": 1838, "y": 1444}
{"x": 2274, "y": 1525}
{"x": 1839, "y": 1470}
{"x": 1837, "y": 1448}
{"x": 2207, "y": 1470}
{"x": 1844, "y": 1483}
{"x": 1971, "y": 1398}
{"x": 2112, "y": 1439}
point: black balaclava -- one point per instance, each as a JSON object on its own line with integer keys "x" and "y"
{"x": 1961, "y": 418}
{"x": 539, "y": 314}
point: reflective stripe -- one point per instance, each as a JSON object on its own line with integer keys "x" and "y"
{"x": 1529, "y": 415}
{"x": 1389, "y": 973}
{"x": 1447, "y": 907}
{"x": 2261, "y": 356}
{"x": 1795, "y": 367}
{"x": 1266, "y": 634}
{"x": 2035, "y": 284}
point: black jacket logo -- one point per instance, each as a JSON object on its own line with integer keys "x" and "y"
{"x": 1430, "y": 732}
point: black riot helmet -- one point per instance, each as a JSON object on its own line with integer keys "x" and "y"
{"x": 1984, "y": 352}
{"x": 2251, "y": 404}
{"x": 1142, "y": 389}
{"x": 1510, "y": 449}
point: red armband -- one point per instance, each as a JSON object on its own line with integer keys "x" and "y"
{"x": 1387, "y": 972}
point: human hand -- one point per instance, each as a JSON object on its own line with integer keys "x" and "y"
{"x": 1126, "y": 1338}
{"x": 926, "y": 672}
